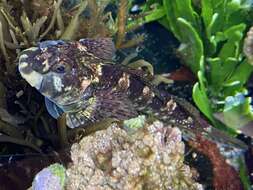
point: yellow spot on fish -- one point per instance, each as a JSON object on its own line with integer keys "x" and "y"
{"x": 99, "y": 70}
{"x": 92, "y": 100}
{"x": 148, "y": 94}
{"x": 171, "y": 105}
{"x": 46, "y": 65}
{"x": 146, "y": 91}
{"x": 124, "y": 82}
{"x": 81, "y": 47}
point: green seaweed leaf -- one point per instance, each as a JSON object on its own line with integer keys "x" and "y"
{"x": 231, "y": 48}
{"x": 201, "y": 100}
{"x": 200, "y": 96}
{"x": 59, "y": 171}
{"x": 207, "y": 12}
{"x": 151, "y": 16}
{"x": 243, "y": 172}
{"x": 211, "y": 37}
{"x": 241, "y": 73}
{"x": 191, "y": 47}
{"x": 179, "y": 8}
{"x": 234, "y": 105}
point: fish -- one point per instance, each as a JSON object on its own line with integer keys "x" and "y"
{"x": 81, "y": 79}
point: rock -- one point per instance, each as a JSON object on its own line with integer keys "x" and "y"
{"x": 50, "y": 178}
{"x": 150, "y": 158}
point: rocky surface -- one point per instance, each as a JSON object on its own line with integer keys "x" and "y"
{"x": 50, "y": 178}
{"x": 150, "y": 158}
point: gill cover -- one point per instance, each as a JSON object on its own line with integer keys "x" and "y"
{"x": 36, "y": 64}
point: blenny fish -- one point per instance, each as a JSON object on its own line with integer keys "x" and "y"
{"x": 80, "y": 79}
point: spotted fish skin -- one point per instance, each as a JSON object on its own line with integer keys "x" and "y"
{"x": 80, "y": 79}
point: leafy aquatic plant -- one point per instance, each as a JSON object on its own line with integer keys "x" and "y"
{"x": 211, "y": 35}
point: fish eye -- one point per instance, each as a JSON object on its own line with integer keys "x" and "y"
{"x": 60, "y": 68}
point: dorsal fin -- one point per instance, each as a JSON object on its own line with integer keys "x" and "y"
{"x": 47, "y": 43}
{"x": 102, "y": 48}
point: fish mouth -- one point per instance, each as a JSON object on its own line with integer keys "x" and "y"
{"x": 34, "y": 78}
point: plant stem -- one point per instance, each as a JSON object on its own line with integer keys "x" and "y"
{"x": 62, "y": 131}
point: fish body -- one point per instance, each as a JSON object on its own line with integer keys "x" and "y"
{"x": 80, "y": 79}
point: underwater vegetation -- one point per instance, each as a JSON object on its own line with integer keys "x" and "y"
{"x": 211, "y": 35}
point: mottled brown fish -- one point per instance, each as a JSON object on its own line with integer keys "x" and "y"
{"x": 81, "y": 80}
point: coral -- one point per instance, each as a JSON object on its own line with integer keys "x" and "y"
{"x": 225, "y": 176}
{"x": 150, "y": 158}
{"x": 135, "y": 123}
{"x": 50, "y": 178}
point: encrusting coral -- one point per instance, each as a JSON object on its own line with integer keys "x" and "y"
{"x": 50, "y": 178}
{"x": 150, "y": 158}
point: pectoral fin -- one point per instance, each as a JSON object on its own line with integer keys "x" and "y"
{"x": 53, "y": 109}
{"x": 106, "y": 103}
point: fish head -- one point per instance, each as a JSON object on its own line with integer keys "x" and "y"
{"x": 62, "y": 71}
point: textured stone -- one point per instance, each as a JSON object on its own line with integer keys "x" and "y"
{"x": 151, "y": 158}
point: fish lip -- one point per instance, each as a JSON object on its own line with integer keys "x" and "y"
{"x": 38, "y": 85}
{"x": 34, "y": 78}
